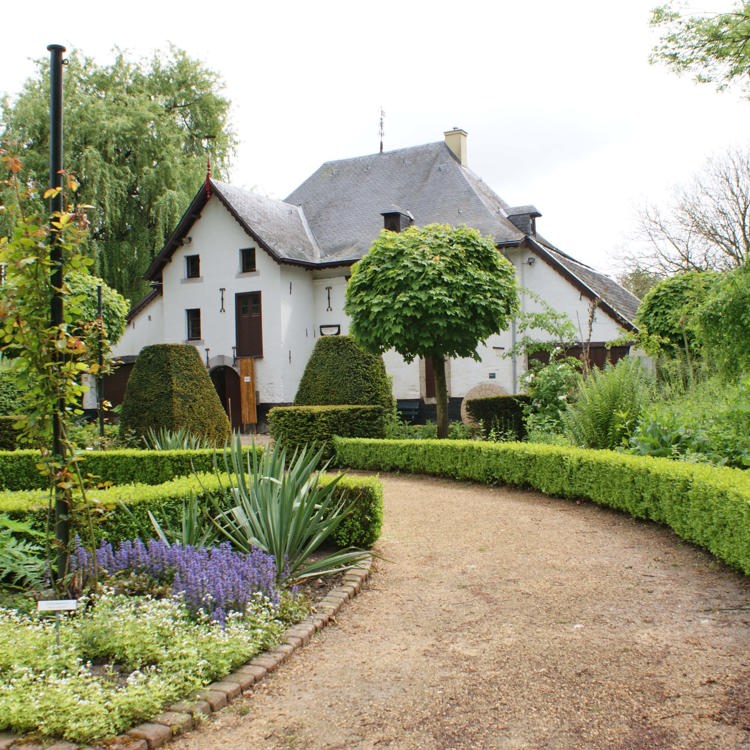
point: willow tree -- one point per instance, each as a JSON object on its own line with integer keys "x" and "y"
{"x": 435, "y": 292}
{"x": 137, "y": 136}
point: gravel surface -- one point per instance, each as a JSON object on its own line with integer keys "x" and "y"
{"x": 501, "y": 618}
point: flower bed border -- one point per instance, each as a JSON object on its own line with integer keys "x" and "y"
{"x": 184, "y": 715}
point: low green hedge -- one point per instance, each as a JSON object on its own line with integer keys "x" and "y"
{"x": 297, "y": 426}
{"x": 500, "y": 413}
{"x": 19, "y": 469}
{"x": 705, "y": 505}
{"x": 364, "y": 496}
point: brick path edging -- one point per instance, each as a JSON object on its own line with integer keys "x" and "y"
{"x": 185, "y": 715}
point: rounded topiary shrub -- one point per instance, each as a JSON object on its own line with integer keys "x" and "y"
{"x": 342, "y": 372}
{"x": 169, "y": 388}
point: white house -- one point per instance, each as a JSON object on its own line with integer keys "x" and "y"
{"x": 252, "y": 282}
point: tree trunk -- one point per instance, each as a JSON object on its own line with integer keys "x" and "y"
{"x": 441, "y": 396}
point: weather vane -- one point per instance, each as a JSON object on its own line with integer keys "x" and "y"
{"x": 382, "y": 127}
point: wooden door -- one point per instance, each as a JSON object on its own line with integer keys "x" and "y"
{"x": 227, "y": 385}
{"x": 249, "y": 408}
{"x": 249, "y": 324}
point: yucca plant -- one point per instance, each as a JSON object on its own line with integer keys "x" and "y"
{"x": 165, "y": 439}
{"x": 283, "y": 508}
{"x": 196, "y": 528}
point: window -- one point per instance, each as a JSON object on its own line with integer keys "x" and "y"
{"x": 193, "y": 317}
{"x": 247, "y": 259}
{"x": 192, "y": 266}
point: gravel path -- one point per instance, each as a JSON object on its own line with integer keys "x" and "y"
{"x": 505, "y": 619}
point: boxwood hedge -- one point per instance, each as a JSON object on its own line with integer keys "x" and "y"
{"x": 298, "y": 426}
{"x": 361, "y": 528}
{"x": 706, "y": 505}
{"x": 19, "y": 469}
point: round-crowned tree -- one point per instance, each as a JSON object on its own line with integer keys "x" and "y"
{"x": 434, "y": 291}
{"x": 667, "y": 316}
{"x": 340, "y": 371}
{"x": 169, "y": 388}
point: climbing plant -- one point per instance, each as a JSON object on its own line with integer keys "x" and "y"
{"x": 49, "y": 360}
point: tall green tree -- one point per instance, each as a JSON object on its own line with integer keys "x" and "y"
{"x": 434, "y": 291}
{"x": 138, "y": 136}
{"x": 724, "y": 322}
{"x": 716, "y": 47}
{"x": 667, "y": 316}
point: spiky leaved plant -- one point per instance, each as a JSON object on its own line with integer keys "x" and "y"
{"x": 284, "y": 508}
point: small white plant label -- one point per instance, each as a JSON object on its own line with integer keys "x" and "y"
{"x": 57, "y": 605}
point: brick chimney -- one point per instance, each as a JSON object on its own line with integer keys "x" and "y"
{"x": 455, "y": 140}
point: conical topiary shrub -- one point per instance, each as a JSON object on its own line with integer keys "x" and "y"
{"x": 342, "y": 372}
{"x": 169, "y": 388}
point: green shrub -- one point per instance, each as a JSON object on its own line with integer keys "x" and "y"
{"x": 18, "y": 469}
{"x": 705, "y": 505}
{"x": 8, "y": 433}
{"x": 706, "y": 421}
{"x": 606, "y": 410}
{"x": 170, "y": 388}
{"x": 667, "y": 318}
{"x": 501, "y": 414}
{"x": 550, "y": 388}
{"x": 124, "y": 510}
{"x": 10, "y": 401}
{"x": 342, "y": 372}
{"x": 298, "y": 426}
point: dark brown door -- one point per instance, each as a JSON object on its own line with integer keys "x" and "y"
{"x": 249, "y": 325}
{"x": 227, "y": 385}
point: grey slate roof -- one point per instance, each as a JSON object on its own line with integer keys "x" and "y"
{"x": 343, "y": 199}
{"x": 279, "y": 226}
{"x": 619, "y": 300}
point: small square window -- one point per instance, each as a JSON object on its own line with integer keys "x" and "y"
{"x": 192, "y": 266}
{"x": 247, "y": 259}
{"x": 193, "y": 317}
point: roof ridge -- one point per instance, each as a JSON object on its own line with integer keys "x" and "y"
{"x": 380, "y": 154}
{"x": 308, "y": 231}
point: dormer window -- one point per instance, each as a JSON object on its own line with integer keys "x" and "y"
{"x": 192, "y": 266}
{"x": 247, "y": 260}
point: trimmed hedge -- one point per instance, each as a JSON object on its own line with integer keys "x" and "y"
{"x": 706, "y": 505}
{"x": 18, "y": 469}
{"x": 170, "y": 388}
{"x": 364, "y": 495}
{"x": 500, "y": 413}
{"x": 340, "y": 371}
{"x": 297, "y": 426}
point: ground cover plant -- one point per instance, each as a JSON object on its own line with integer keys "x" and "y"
{"x": 120, "y": 661}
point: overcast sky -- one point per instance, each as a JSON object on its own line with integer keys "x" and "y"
{"x": 560, "y": 103}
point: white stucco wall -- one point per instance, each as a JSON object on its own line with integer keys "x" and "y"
{"x": 146, "y": 328}
{"x": 297, "y": 327}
